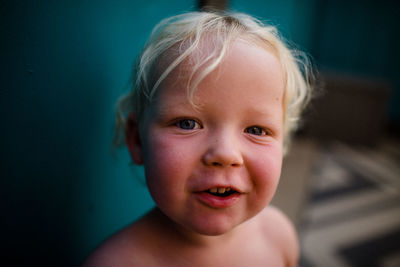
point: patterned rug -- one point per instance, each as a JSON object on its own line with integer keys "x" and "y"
{"x": 353, "y": 215}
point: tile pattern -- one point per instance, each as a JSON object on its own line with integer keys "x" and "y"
{"x": 352, "y": 217}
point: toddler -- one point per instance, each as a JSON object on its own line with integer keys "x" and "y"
{"x": 214, "y": 101}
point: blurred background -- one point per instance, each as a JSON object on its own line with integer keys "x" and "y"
{"x": 65, "y": 63}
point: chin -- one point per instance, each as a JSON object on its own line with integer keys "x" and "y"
{"x": 210, "y": 228}
{"x": 212, "y": 231}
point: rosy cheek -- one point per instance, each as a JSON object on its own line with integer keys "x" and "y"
{"x": 161, "y": 171}
{"x": 163, "y": 158}
{"x": 266, "y": 170}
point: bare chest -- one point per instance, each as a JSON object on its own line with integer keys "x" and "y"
{"x": 248, "y": 254}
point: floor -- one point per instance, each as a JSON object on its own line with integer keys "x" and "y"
{"x": 344, "y": 201}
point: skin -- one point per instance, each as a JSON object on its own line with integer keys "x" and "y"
{"x": 232, "y": 139}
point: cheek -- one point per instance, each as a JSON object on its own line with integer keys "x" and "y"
{"x": 266, "y": 172}
{"x": 165, "y": 155}
{"x": 165, "y": 167}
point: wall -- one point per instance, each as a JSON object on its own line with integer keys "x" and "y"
{"x": 64, "y": 64}
{"x": 362, "y": 40}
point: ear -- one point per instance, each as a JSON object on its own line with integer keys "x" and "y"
{"x": 132, "y": 139}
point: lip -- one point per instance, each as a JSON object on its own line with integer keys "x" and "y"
{"x": 217, "y": 202}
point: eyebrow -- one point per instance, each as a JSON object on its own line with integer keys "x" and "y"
{"x": 161, "y": 109}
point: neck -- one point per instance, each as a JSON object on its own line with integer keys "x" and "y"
{"x": 171, "y": 231}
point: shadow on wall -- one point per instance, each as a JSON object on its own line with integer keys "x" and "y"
{"x": 351, "y": 108}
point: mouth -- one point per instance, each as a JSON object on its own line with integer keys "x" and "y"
{"x": 219, "y": 197}
{"x": 221, "y": 191}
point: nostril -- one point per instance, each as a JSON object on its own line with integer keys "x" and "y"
{"x": 219, "y": 164}
{"x": 221, "y": 158}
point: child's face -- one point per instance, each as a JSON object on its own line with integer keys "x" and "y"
{"x": 232, "y": 142}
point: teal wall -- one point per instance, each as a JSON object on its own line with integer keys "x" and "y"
{"x": 63, "y": 66}
{"x": 361, "y": 38}
{"x": 294, "y": 19}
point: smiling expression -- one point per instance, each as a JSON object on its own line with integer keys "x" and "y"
{"x": 211, "y": 167}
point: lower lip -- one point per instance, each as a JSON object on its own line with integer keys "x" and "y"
{"x": 217, "y": 202}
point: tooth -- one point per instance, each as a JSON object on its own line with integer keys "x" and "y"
{"x": 228, "y": 189}
{"x": 221, "y": 190}
{"x": 213, "y": 190}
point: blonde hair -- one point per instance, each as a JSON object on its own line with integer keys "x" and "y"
{"x": 178, "y": 38}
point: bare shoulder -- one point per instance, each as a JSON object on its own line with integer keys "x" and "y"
{"x": 113, "y": 251}
{"x": 125, "y": 248}
{"x": 279, "y": 229}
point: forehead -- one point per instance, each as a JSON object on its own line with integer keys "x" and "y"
{"x": 207, "y": 53}
{"x": 247, "y": 63}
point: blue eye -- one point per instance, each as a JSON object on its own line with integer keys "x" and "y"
{"x": 187, "y": 124}
{"x": 255, "y": 130}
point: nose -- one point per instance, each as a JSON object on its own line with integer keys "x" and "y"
{"x": 223, "y": 151}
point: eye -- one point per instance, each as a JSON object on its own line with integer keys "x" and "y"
{"x": 188, "y": 124}
{"x": 255, "y": 130}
